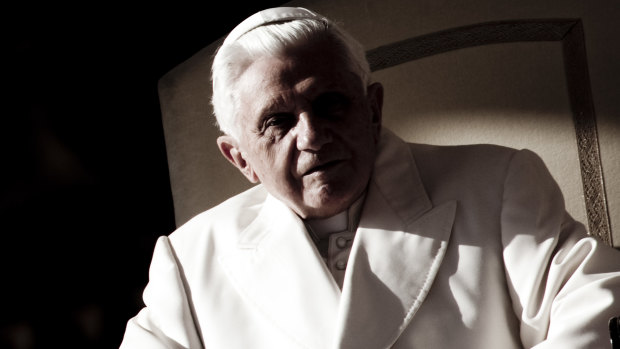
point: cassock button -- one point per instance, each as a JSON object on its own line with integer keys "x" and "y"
{"x": 341, "y": 242}
{"x": 340, "y": 265}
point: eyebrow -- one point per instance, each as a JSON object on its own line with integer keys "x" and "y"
{"x": 272, "y": 105}
{"x": 284, "y": 101}
{"x": 275, "y": 105}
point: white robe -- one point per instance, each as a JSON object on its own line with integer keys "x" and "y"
{"x": 457, "y": 247}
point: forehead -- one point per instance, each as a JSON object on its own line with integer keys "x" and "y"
{"x": 291, "y": 68}
{"x": 305, "y": 71}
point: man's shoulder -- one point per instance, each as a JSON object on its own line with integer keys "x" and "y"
{"x": 457, "y": 166}
{"x": 250, "y": 199}
{"x": 470, "y": 156}
{"x": 483, "y": 166}
{"x": 471, "y": 150}
{"x": 451, "y": 154}
{"x": 226, "y": 220}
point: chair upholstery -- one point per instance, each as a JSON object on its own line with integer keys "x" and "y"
{"x": 524, "y": 75}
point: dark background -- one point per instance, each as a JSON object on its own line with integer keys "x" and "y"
{"x": 85, "y": 189}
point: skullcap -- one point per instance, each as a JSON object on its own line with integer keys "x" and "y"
{"x": 268, "y": 16}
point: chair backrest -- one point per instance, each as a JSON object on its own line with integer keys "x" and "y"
{"x": 524, "y": 75}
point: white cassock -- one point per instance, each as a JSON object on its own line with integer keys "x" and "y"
{"x": 457, "y": 247}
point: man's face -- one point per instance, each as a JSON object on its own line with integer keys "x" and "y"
{"x": 307, "y": 130}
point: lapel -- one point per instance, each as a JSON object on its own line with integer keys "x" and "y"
{"x": 399, "y": 246}
{"x": 395, "y": 256}
{"x": 277, "y": 269}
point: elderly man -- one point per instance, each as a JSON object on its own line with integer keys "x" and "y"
{"x": 356, "y": 239}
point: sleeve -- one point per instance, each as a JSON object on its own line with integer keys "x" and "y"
{"x": 167, "y": 321}
{"x": 565, "y": 285}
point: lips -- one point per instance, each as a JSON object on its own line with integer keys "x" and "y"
{"x": 323, "y": 167}
{"x": 309, "y": 164}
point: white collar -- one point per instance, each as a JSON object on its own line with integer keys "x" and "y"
{"x": 346, "y": 220}
{"x": 322, "y": 227}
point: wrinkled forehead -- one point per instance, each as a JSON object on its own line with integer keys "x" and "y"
{"x": 305, "y": 67}
{"x": 273, "y": 75}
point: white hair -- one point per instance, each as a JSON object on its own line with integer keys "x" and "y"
{"x": 232, "y": 59}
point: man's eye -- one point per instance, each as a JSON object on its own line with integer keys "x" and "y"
{"x": 278, "y": 121}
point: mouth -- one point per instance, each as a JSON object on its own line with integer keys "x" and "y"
{"x": 323, "y": 167}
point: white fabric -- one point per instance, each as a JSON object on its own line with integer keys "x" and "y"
{"x": 326, "y": 226}
{"x": 457, "y": 247}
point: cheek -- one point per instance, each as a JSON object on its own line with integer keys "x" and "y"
{"x": 363, "y": 142}
{"x": 272, "y": 162}
{"x": 360, "y": 134}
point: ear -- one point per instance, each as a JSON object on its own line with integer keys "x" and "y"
{"x": 375, "y": 100}
{"x": 229, "y": 147}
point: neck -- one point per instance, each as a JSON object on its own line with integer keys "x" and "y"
{"x": 346, "y": 220}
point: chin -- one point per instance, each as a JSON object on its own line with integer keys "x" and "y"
{"x": 327, "y": 203}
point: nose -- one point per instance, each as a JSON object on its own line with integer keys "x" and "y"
{"x": 312, "y": 132}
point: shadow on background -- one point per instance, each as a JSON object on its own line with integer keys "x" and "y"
{"x": 85, "y": 188}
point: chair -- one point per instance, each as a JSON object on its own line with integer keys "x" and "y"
{"x": 525, "y": 75}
